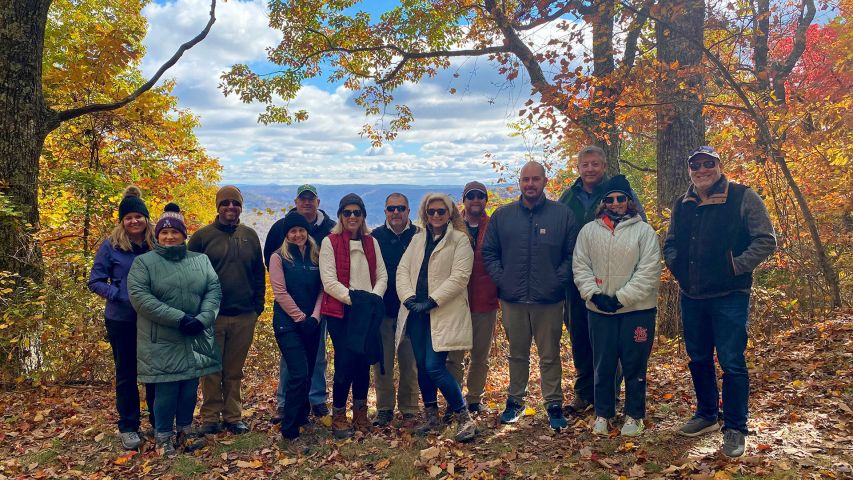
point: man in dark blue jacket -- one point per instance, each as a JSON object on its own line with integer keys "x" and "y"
{"x": 528, "y": 253}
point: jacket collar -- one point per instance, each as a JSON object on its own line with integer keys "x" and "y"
{"x": 225, "y": 228}
{"x": 717, "y": 194}
{"x": 173, "y": 252}
{"x": 578, "y": 185}
{"x": 628, "y": 221}
{"x": 536, "y": 207}
{"x": 408, "y": 226}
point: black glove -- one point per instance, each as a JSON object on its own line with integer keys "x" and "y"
{"x": 309, "y": 325}
{"x": 190, "y": 325}
{"x": 606, "y": 303}
{"x": 615, "y": 303}
{"x": 410, "y": 303}
{"x": 425, "y": 306}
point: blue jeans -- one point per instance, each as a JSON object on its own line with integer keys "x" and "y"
{"x": 718, "y": 323}
{"x": 433, "y": 374}
{"x": 174, "y": 403}
{"x": 318, "y": 393}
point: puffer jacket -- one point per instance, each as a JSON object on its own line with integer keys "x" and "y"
{"x": 108, "y": 279}
{"x": 624, "y": 261}
{"x": 165, "y": 284}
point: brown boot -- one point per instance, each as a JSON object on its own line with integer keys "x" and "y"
{"x": 360, "y": 421}
{"x": 466, "y": 428}
{"x": 340, "y": 425}
{"x": 431, "y": 421}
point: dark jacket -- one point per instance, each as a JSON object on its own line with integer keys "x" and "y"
{"x": 586, "y": 213}
{"x": 528, "y": 252}
{"x": 275, "y": 237}
{"x": 235, "y": 252}
{"x": 393, "y": 246}
{"x": 482, "y": 291}
{"x": 363, "y": 319}
{"x": 108, "y": 279}
{"x": 712, "y": 248}
{"x": 302, "y": 277}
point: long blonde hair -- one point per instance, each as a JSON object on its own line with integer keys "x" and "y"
{"x": 455, "y": 217}
{"x": 314, "y": 252}
{"x": 118, "y": 237}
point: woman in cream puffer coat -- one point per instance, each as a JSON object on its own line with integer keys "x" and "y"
{"x": 617, "y": 267}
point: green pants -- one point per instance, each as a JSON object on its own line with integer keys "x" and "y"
{"x": 483, "y": 326}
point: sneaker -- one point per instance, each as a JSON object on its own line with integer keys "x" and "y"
{"x": 734, "y": 442}
{"x": 383, "y": 418}
{"x": 278, "y": 417}
{"x": 320, "y": 410}
{"x": 601, "y": 426}
{"x": 236, "y": 428}
{"x": 512, "y": 412}
{"x": 130, "y": 440}
{"x": 632, "y": 427}
{"x": 210, "y": 428}
{"x": 697, "y": 426}
{"x": 479, "y": 409}
{"x": 164, "y": 445}
{"x": 578, "y": 406}
{"x": 556, "y": 418}
{"x": 466, "y": 428}
{"x": 189, "y": 440}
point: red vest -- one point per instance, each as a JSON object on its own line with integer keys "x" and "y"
{"x": 331, "y": 306}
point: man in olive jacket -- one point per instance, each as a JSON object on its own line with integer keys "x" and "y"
{"x": 528, "y": 253}
{"x": 235, "y": 252}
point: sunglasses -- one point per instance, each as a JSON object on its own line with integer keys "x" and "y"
{"x": 475, "y": 195}
{"x": 396, "y": 208}
{"x": 695, "y": 166}
{"x": 431, "y": 212}
{"x": 228, "y": 203}
{"x": 350, "y": 213}
{"x": 616, "y": 199}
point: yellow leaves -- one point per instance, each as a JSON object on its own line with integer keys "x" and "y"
{"x": 123, "y": 459}
{"x": 382, "y": 464}
{"x": 254, "y": 464}
{"x": 529, "y": 412}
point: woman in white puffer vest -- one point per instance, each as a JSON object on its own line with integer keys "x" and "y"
{"x": 617, "y": 269}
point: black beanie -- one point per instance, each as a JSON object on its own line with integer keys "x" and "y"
{"x": 352, "y": 199}
{"x": 132, "y": 203}
{"x": 618, "y": 184}
{"x": 294, "y": 219}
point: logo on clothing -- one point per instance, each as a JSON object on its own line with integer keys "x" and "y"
{"x": 598, "y": 281}
{"x": 641, "y": 335}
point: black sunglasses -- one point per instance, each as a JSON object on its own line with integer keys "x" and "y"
{"x": 431, "y": 212}
{"x": 349, "y": 213}
{"x": 228, "y": 203}
{"x": 705, "y": 163}
{"x": 396, "y": 208}
{"x": 616, "y": 199}
{"x": 475, "y": 195}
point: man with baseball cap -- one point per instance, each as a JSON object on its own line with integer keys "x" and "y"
{"x": 482, "y": 299}
{"x": 308, "y": 205}
{"x": 719, "y": 233}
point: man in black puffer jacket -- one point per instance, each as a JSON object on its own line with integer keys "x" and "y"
{"x": 528, "y": 253}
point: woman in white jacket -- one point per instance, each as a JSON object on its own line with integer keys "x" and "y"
{"x": 432, "y": 283}
{"x": 617, "y": 268}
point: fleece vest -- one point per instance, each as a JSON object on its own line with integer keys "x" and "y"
{"x": 340, "y": 245}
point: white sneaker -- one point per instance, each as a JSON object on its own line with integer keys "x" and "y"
{"x": 601, "y": 426}
{"x": 632, "y": 427}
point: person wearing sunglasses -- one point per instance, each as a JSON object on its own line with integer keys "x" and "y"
{"x": 718, "y": 234}
{"x": 354, "y": 279}
{"x": 528, "y": 253}
{"x": 235, "y": 252}
{"x": 584, "y": 198}
{"x": 616, "y": 269}
{"x": 483, "y": 297}
{"x": 432, "y": 282}
{"x": 394, "y": 237}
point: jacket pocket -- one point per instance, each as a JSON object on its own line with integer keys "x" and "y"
{"x": 154, "y": 332}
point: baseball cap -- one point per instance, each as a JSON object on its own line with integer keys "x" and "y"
{"x": 306, "y": 188}
{"x": 703, "y": 150}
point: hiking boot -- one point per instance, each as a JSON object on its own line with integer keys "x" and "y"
{"x": 734, "y": 442}
{"x": 578, "y": 406}
{"x": 447, "y": 418}
{"x": 431, "y": 421}
{"x": 601, "y": 426}
{"x": 697, "y": 426}
{"x": 210, "y": 428}
{"x": 360, "y": 421}
{"x": 632, "y": 427}
{"x": 512, "y": 412}
{"x": 479, "y": 408}
{"x": 556, "y": 418}
{"x": 320, "y": 410}
{"x": 409, "y": 421}
{"x": 340, "y": 425}
{"x": 237, "y": 428}
{"x": 130, "y": 440}
{"x": 164, "y": 445}
{"x": 189, "y": 440}
{"x": 466, "y": 427}
{"x": 278, "y": 417}
{"x": 383, "y": 418}
{"x": 297, "y": 446}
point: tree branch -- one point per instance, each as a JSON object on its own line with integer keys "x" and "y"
{"x": 784, "y": 69}
{"x": 637, "y": 167}
{"x": 72, "y": 113}
{"x": 634, "y": 31}
{"x": 549, "y": 18}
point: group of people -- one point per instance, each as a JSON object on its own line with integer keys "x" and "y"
{"x": 423, "y": 297}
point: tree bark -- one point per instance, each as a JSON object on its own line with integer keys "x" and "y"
{"x": 603, "y": 108}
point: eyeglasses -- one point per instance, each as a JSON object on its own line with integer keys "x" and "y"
{"x": 431, "y": 212}
{"x": 475, "y": 195}
{"x": 396, "y": 208}
{"x": 709, "y": 164}
{"x": 228, "y": 203}
{"x": 350, "y": 213}
{"x": 616, "y": 199}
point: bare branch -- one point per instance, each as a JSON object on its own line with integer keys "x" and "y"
{"x": 622, "y": 161}
{"x": 72, "y": 113}
{"x": 549, "y": 18}
{"x": 784, "y": 69}
{"x": 634, "y": 31}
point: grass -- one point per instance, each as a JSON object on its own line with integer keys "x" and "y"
{"x": 187, "y": 467}
{"x": 46, "y": 456}
{"x": 241, "y": 443}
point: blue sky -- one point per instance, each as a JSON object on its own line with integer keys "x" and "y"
{"x": 446, "y": 145}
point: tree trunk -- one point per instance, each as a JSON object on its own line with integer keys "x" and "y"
{"x": 602, "y": 111}
{"x": 22, "y": 116}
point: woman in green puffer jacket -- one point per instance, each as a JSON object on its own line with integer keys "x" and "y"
{"x": 176, "y": 295}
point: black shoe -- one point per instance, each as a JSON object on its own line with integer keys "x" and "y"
{"x": 211, "y": 428}
{"x": 383, "y": 418}
{"x": 320, "y": 410}
{"x": 237, "y": 428}
{"x": 278, "y": 417}
{"x": 189, "y": 440}
{"x": 578, "y": 406}
{"x": 447, "y": 418}
{"x": 479, "y": 408}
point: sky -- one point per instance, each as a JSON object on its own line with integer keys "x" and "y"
{"x": 447, "y": 143}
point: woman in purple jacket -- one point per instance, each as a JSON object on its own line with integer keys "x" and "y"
{"x": 133, "y": 236}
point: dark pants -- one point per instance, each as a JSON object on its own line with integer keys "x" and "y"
{"x": 433, "y": 374}
{"x": 351, "y": 368}
{"x": 174, "y": 404}
{"x": 626, "y": 338}
{"x": 575, "y": 318}
{"x": 298, "y": 343}
{"x": 122, "y": 337}
{"x": 718, "y": 323}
